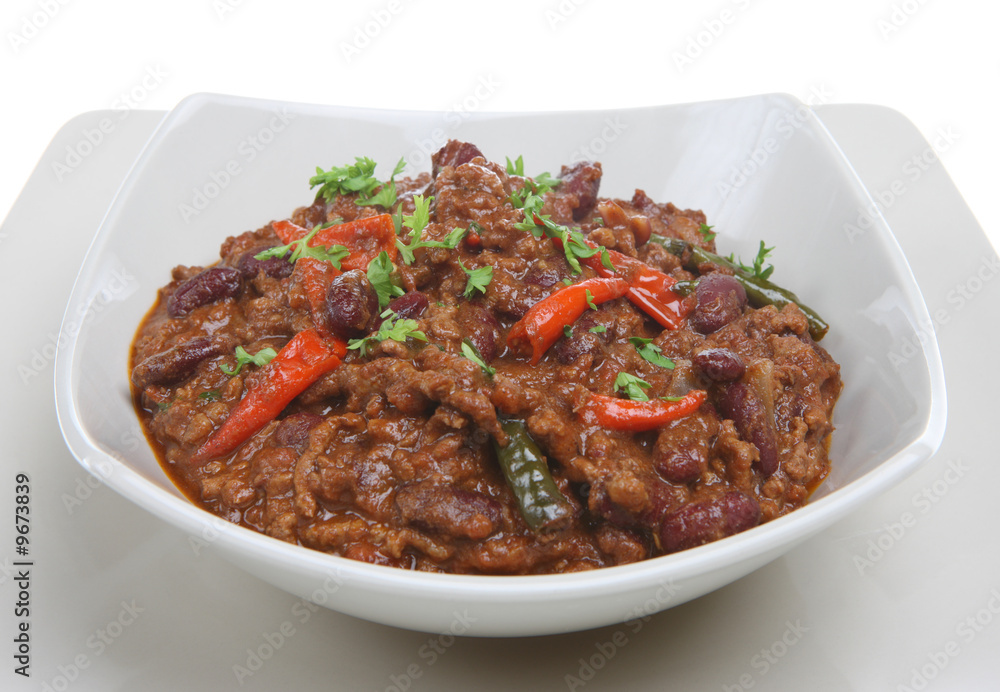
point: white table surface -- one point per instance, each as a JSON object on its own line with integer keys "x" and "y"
{"x": 905, "y": 592}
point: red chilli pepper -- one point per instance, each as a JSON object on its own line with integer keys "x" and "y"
{"x": 649, "y": 288}
{"x": 638, "y": 416}
{"x": 543, "y": 324}
{"x": 364, "y": 238}
{"x": 302, "y": 361}
{"x": 315, "y": 277}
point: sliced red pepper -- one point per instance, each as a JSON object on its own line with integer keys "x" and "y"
{"x": 649, "y": 288}
{"x": 364, "y": 238}
{"x": 638, "y": 416}
{"x": 302, "y": 361}
{"x": 315, "y": 276}
{"x": 543, "y": 324}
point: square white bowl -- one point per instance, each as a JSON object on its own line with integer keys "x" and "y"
{"x": 761, "y": 168}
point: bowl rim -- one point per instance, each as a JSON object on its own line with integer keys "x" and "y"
{"x": 500, "y": 589}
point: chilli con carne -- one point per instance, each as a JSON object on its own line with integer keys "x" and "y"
{"x": 476, "y": 371}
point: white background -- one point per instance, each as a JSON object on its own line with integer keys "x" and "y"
{"x": 936, "y": 62}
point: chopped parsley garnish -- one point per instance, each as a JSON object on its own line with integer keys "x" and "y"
{"x": 211, "y": 395}
{"x": 392, "y": 328}
{"x": 707, "y": 233}
{"x": 470, "y": 351}
{"x": 479, "y": 279}
{"x": 651, "y": 352}
{"x": 590, "y": 299}
{"x": 416, "y": 222}
{"x": 359, "y": 178}
{"x": 260, "y": 359}
{"x": 758, "y": 269}
{"x": 599, "y": 329}
{"x": 380, "y": 277}
{"x": 567, "y": 331}
{"x": 574, "y": 244}
{"x": 300, "y": 248}
{"x": 632, "y": 386}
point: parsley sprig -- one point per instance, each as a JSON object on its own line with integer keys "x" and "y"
{"x": 575, "y": 246}
{"x": 380, "y": 276}
{"x": 300, "y": 248}
{"x": 478, "y": 279}
{"x": 651, "y": 352}
{"x": 632, "y": 386}
{"x": 758, "y": 269}
{"x": 392, "y": 328}
{"x": 416, "y": 222}
{"x": 358, "y": 178}
{"x": 260, "y": 359}
{"x": 470, "y": 351}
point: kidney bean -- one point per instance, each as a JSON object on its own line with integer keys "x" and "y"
{"x": 293, "y": 430}
{"x": 481, "y": 327}
{"x": 449, "y": 510}
{"x": 175, "y": 364}
{"x": 409, "y": 305}
{"x": 683, "y": 463}
{"x": 210, "y": 286}
{"x": 582, "y": 180}
{"x": 719, "y": 364}
{"x": 351, "y": 306}
{"x": 721, "y": 300}
{"x": 276, "y": 267}
{"x": 454, "y": 153}
{"x": 708, "y": 520}
{"x": 748, "y": 403}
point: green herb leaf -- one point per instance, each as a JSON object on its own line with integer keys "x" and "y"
{"x": 478, "y": 280}
{"x": 707, "y": 233}
{"x": 380, "y": 276}
{"x": 567, "y": 331}
{"x": 590, "y": 299}
{"x": 260, "y": 359}
{"x": 632, "y": 386}
{"x": 757, "y": 269}
{"x": 599, "y": 329}
{"x": 416, "y": 222}
{"x": 470, "y": 351}
{"x": 359, "y": 178}
{"x": 651, "y": 352}
{"x": 392, "y": 328}
{"x": 211, "y": 395}
{"x": 300, "y": 248}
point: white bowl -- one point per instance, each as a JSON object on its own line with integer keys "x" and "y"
{"x": 762, "y": 168}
